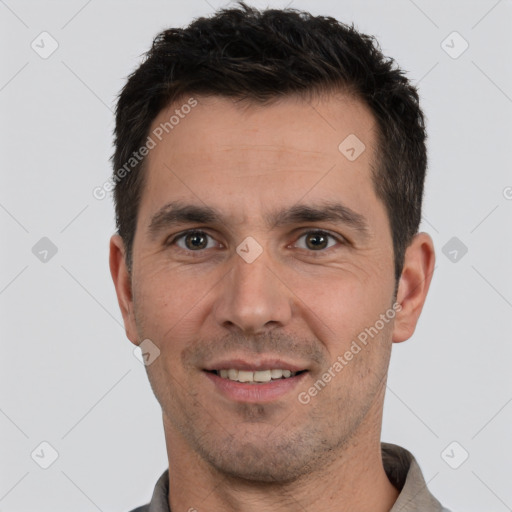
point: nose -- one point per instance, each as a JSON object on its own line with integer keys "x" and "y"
{"x": 253, "y": 297}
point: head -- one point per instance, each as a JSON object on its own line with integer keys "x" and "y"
{"x": 296, "y": 247}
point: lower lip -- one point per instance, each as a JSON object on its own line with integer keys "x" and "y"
{"x": 254, "y": 393}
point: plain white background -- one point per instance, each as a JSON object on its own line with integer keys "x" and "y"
{"x": 68, "y": 373}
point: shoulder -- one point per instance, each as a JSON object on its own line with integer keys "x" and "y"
{"x": 158, "y": 501}
{"x": 144, "y": 508}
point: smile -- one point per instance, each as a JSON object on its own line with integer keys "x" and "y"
{"x": 254, "y": 386}
{"x": 260, "y": 376}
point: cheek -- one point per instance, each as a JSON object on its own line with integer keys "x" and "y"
{"x": 343, "y": 305}
{"x": 164, "y": 290}
{"x": 171, "y": 304}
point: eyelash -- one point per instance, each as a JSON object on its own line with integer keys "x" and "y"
{"x": 341, "y": 240}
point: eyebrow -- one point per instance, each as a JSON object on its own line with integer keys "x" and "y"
{"x": 177, "y": 213}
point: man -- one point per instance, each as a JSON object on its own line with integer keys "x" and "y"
{"x": 269, "y": 171}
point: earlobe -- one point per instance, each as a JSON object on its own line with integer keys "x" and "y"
{"x": 122, "y": 283}
{"x": 414, "y": 285}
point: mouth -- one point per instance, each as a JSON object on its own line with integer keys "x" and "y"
{"x": 255, "y": 377}
{"x": 257, "y": 382}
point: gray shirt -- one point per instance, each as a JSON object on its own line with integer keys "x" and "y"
{"x": 400, "y": 466}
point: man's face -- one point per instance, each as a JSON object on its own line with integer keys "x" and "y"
{"x": 298, "y": 306}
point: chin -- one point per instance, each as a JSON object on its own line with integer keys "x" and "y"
{"x": 264, "y": 460}
{"x": 268, "y": 469}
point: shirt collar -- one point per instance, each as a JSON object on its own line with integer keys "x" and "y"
{"x": 405, "y": 474}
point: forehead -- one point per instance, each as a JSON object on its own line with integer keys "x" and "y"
{"x": 314, "y": 128}
{"x": 219, "y": 151}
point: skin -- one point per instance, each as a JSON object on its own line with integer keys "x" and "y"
{"x": 302, "y": 304}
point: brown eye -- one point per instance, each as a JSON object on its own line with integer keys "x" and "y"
{"x": 196, "y": 241}
{"x": 316, "y": 240}
{"x": 193, "y": 241}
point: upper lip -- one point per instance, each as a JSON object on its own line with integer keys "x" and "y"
{"x": 254, "y": 365}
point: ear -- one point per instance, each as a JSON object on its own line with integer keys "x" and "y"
{"x": 122, "y": 283}
{"x": 413, "y": 285}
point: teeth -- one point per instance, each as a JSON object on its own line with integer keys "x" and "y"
{"x": 244, "y": 376}
{"x": 276, "y": 374}
{"x": 232, "y": 374}
{"x": 258, "y": 376}
{"x": 262, "y": 376}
